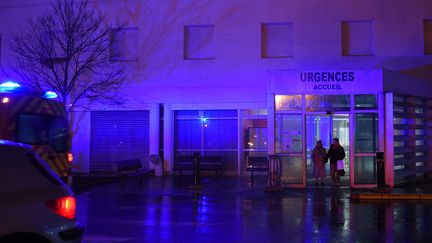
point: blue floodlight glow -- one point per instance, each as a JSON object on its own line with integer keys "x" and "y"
{"x": 9, "y": 86}
{"x": 50, "y": 95}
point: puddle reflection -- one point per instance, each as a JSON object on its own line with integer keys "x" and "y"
{"x": 295, "y": 216}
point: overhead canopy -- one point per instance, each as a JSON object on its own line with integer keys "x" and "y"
{"x": 408, "y": 85}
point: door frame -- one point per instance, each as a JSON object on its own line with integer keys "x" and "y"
{"x": 350, "y": 138}
{"x": 382, "y": 129}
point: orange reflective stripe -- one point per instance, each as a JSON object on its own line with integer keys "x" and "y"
{"x": 58, "y": 163}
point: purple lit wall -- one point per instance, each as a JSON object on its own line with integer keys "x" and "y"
{"x": 235, "y": 71}
{"x": 213, "y": 55}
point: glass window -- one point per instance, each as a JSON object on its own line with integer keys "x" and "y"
{"x": 199, "y": 42}
{"x": 220, "y": 134}
{"x": 288, "y": 102}
{"x": 277, "y": 40}
{"x": 123, "y": 44}
{"x": 57, "y": 133}
{"x": 427, "y": 35}
{"x": 255, "y": 131}
{"x": 292, "y": 169}
{"x": 256, "y": 138}
{"x": 328, "y": 103}
{"x": 364, "y": 170}
{"x": 209, "y": 132}
{"x": 254, "y": 135}
{"x": 289, "y": 133}
{"x": 366, "y": 133}
{"x": 357, "y": 38}
{"x": 365, "y": 102}
{"x": 220, "y": 114}
{"x": 32, "y": 129}
{"x": 253, "y": 113}
{"x": 42, "y": 130}
{"x": 187, "y": 134}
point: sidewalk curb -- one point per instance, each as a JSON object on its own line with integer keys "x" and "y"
{"x": 381, "y": 196}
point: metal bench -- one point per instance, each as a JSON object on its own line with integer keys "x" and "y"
{"x": 256, "y": 163}
{"x": 206, "y": 163}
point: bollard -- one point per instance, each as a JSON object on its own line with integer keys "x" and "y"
{"x": 196, "y": 172}
{"x": 196, "y": 168}
{"x": 380, "y": 170}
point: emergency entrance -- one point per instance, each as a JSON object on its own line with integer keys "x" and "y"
{"x": 326, "y": 127}
{"x": 307, "y": 109}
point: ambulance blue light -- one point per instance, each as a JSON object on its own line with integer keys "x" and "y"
{"x": 9, "y": 86}
{"x": 50, "y": 95}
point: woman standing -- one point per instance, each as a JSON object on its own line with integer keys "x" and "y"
{"x": 318, "y": 158}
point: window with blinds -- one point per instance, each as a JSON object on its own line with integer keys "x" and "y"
{"x": 118, "y": 135}
{"x": 209, "y": 132}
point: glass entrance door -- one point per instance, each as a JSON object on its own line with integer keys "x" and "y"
{"x": 325, "y": 128}
{"x": 318, "y": 127}
{"x": 341, "y": 130}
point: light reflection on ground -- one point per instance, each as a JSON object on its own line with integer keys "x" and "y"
{"x": 232, "y": 210}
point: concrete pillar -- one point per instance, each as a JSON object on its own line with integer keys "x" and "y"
{"x": 389, "y": 139}
{"x": 271, "y": 124}
{"x": 168, "y": 139}
{"x": 154, "y": 138}
{"x": 239, "y": 141}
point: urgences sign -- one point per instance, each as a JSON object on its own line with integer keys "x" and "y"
{"x": 327, "y": 80}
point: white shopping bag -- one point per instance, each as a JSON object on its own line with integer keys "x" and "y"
{"x": 340, "y": 164}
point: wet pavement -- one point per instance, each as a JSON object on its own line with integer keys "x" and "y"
{"x": 229, "y": 209}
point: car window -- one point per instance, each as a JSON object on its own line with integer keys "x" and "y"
{"x": 42, "y": 130}
{"x": 43, "y": 167}
{"x": 57, "y": 134}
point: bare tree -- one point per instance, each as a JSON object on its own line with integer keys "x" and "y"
{"x": 67, "y": 50}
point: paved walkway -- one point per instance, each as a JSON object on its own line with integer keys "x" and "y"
{"x": 227, "y": 209}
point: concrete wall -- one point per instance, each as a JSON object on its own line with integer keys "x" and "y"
{"x": 238, "y": 75}
{"x": 162, "y": 75}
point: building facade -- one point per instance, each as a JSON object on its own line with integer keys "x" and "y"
{"x": 248, "y": 78}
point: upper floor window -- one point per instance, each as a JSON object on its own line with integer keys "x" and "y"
{"x": 276, "y": 40}
{"x": 357, "y": 38}
{"x": 198, "y": 42}
{"x": 124, "y": 44}
{"x": 427, "y": 29}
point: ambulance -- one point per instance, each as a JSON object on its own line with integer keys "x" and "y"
{"x": 38, "y": 120}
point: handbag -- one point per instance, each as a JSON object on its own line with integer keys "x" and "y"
{"x": 340, "y": 165}
{"x": 340, "y": 168}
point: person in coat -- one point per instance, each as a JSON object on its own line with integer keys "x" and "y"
{"x": 335, "y": 153}
{"x": 318, "y": 158}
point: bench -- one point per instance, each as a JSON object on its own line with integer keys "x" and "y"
{"x": 129, "y": 168}
{"x": 256, "y": 163}
{"x": 206, "y": 163}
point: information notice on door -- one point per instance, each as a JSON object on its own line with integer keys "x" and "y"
{"x": 289, "y": 139}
